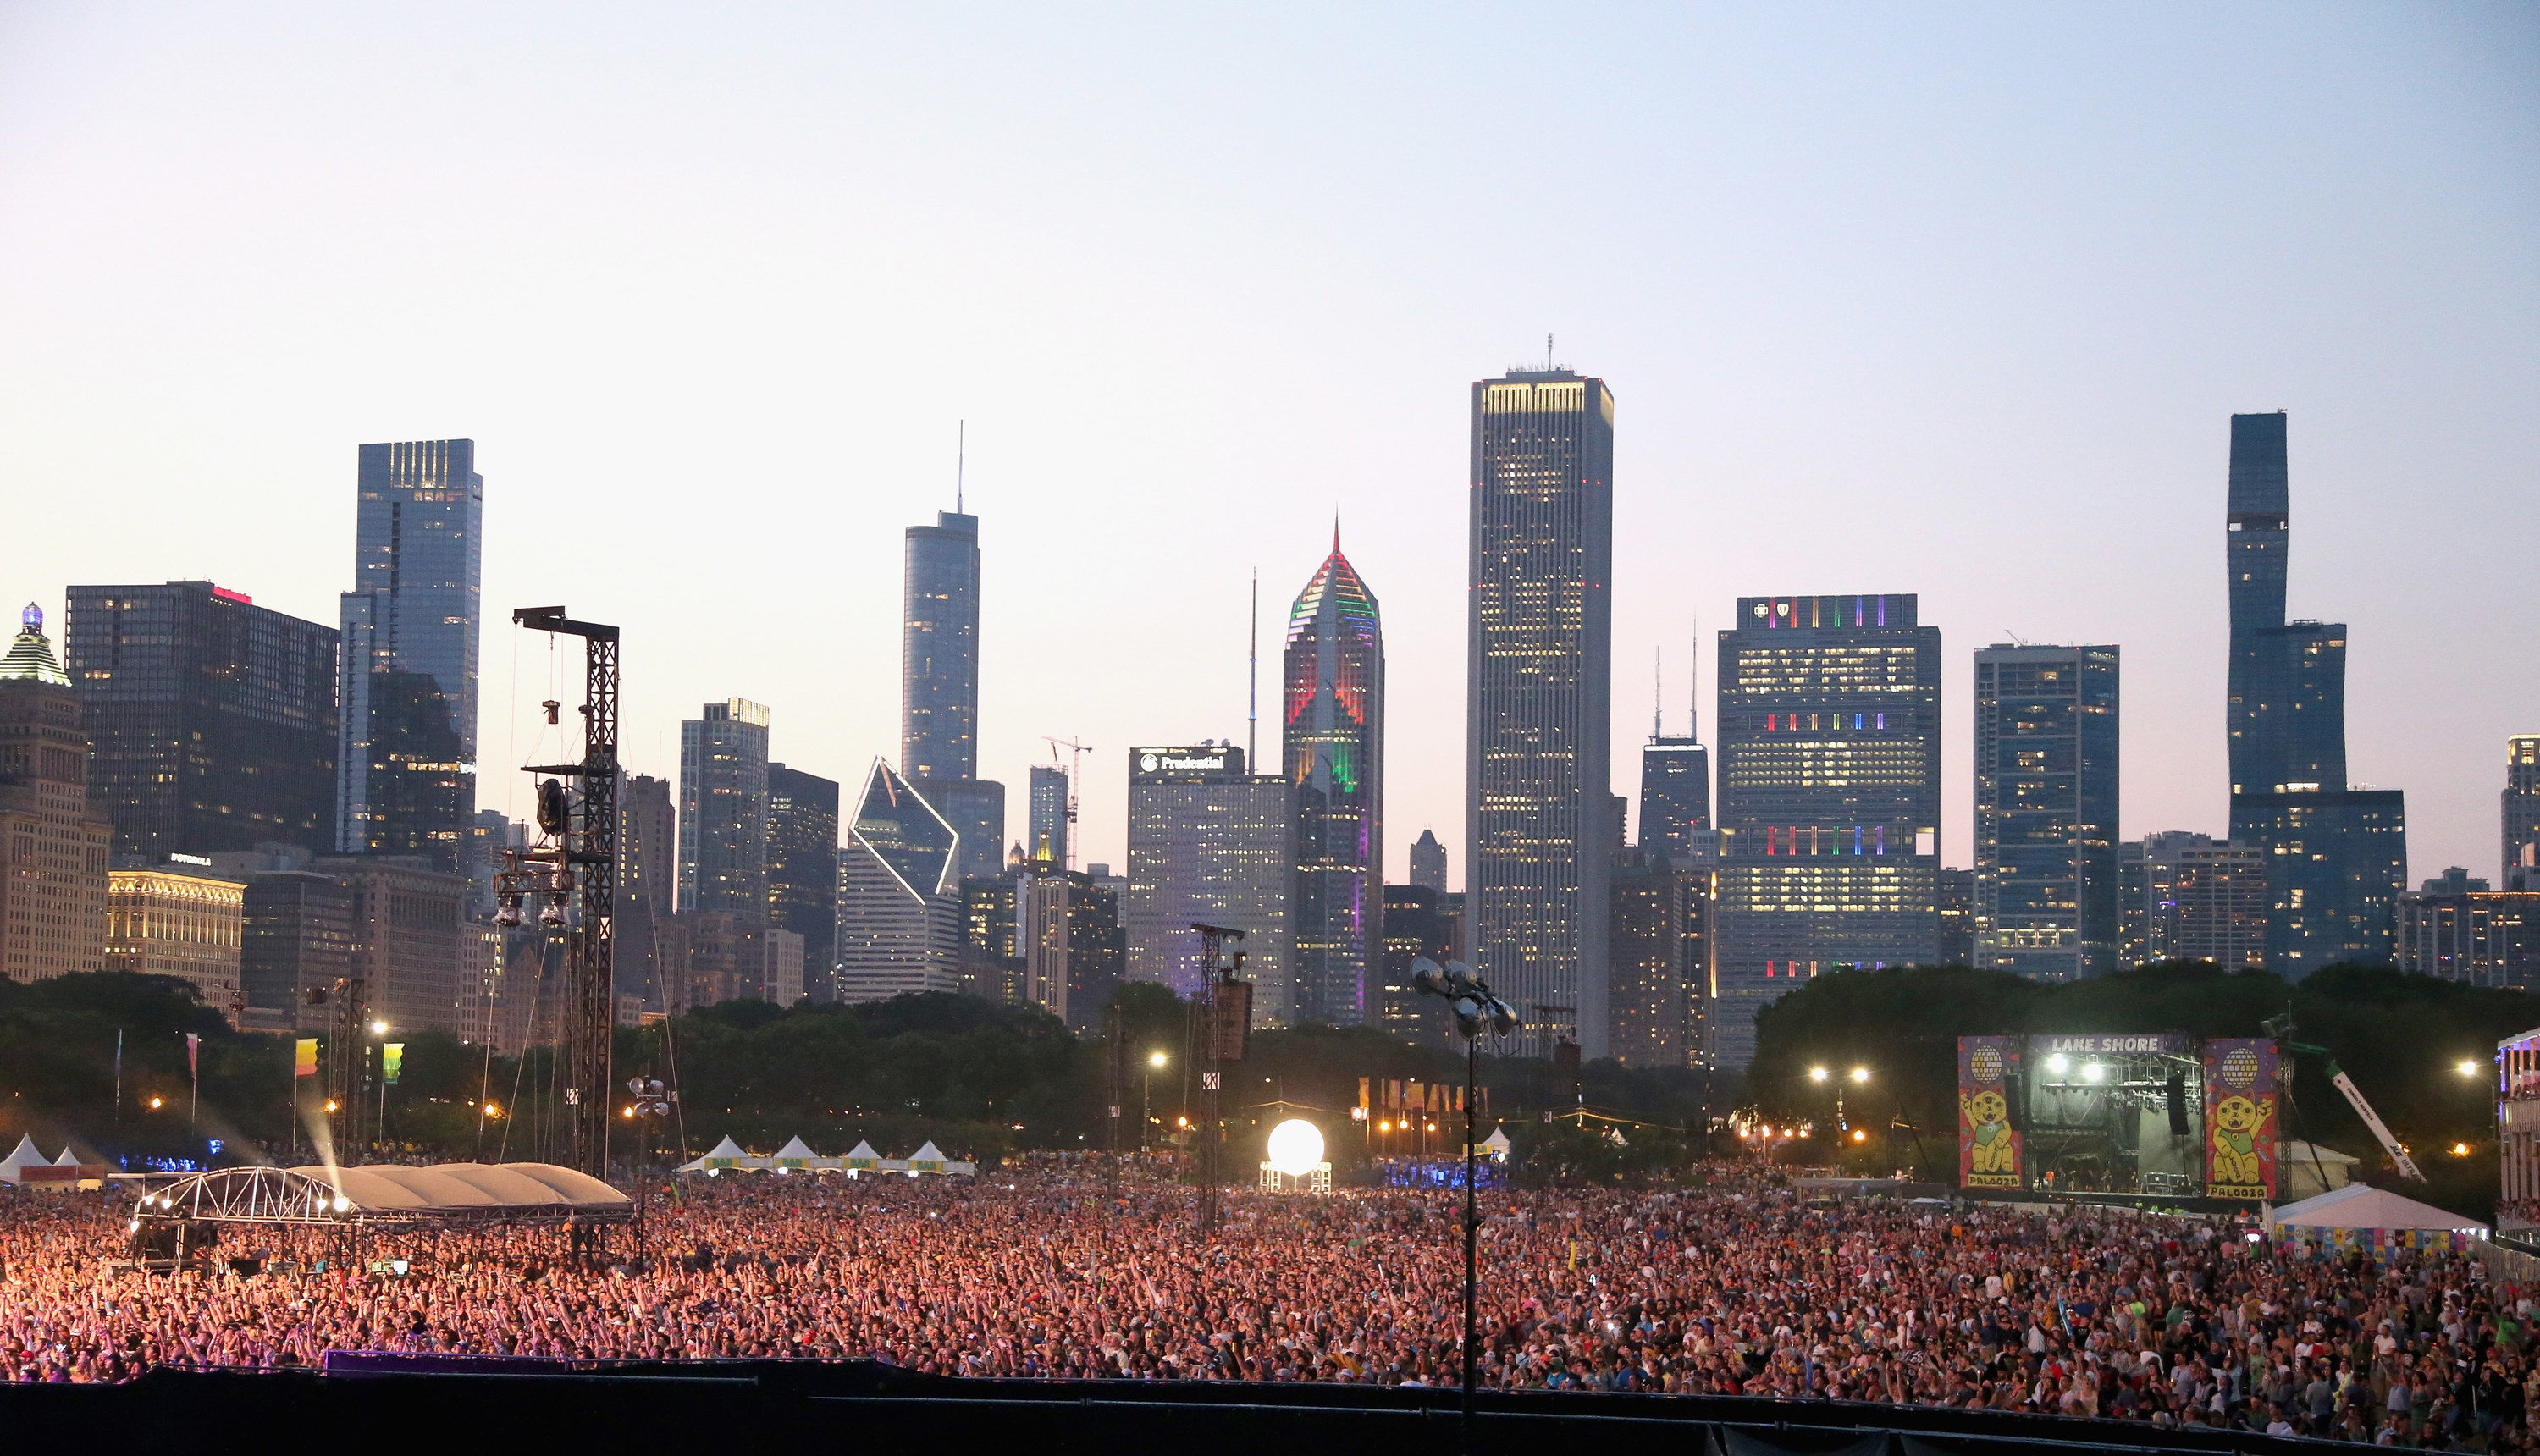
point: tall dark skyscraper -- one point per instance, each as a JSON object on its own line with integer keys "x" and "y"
{"x": 1332, "y": 728}
{"x": 1538, "y": 699}
{"x": 212, "y": 719}
{"x": 939, "y": 687}
{"x": 405, "y": 763}
{"x": 1428, "y": 862}
{"x": 2337, "y": 855}
{"x": 802, "y": 870}
{"x": 2046, "y": 810}
{"x": 1829, "y": 726}
{"x": 1048, "y": 814}
{"x": 2521, "y": 803}
{"x": 1675, "y": 794}
{"x": 723, "y": 811}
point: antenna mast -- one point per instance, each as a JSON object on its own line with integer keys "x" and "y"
{"x": 1693, "y": 686}
{"x": 1657, "y": 679}
{"x": 960, "y": 464}
{"x": 1253, "y": 681}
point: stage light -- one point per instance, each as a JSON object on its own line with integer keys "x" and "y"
{"x": 343, "y": 1205}
{"x": 2059, "y": 1064}
{"x": 629, "y": 1112}
{"x": 2469, "y": 1069}
{"x": 1816, "y": 1073}
{"x": 1296, "y": 1147}
{"x": 1861, "y": 1074}
{"x": 2095, "y": 1071}
{"x": 379, "y": 1028}
{"x": 330, "y": 1104}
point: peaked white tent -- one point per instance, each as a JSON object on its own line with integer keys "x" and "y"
{"x": 23, "y": 1155}
{"x": 2360, "y": 1215}
{"x": 726, "y": 1154}
{"x": 1497, "y": 1145}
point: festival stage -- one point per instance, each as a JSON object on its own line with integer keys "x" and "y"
{"x": 377, "y": 1405}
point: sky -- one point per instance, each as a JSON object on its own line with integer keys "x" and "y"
{"x": 1954, "y": 300}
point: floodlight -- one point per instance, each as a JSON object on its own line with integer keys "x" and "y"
{"x": 1861, "y": 1074}
{"x": 2095, "y": 1071}
{"x": 342, "y": 1203}
{"x": 1296, "y": 1147}
{"x": 1155, "y": 1058}
{"x": 1816, "y": 1073}
{"x": 379, "y": 1028}
{"x": 2468, "y": 1068}
{"x": 1426, "y": 976}
{"x": 2059, "y": 1064}
{"x": 1463, "y": 978}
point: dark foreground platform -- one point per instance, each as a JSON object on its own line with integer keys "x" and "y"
{"x": 459, "y": 1408}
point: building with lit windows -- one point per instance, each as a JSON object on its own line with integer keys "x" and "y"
{"x": 723, "y": 809}
{"x": 2521, "y": 800}
{"x": 899, "y": 903}
{"x": 55, "y": 841}
{"x": 182, "y": 921}
{"x": 1049, "y": 815}
{"x": 1428, "y": 861}
{"x": 1332, "y": 737}
{"x": 2337, "y": 854}
{"x": 406, "y": 757}
{"x": 802, "y": 869}
{"x": 939, "y": 687}
{"x": 414, "y": 946}
{"x": 1417, "y": 927}
{"x": 1829, "y": 790}
{"x": 211, "y": 720}
{"x": 1958, "y": 905}
{"x": 648, "y": 879}
{"x": 2466, "y": 932}
{"x": 1539, "y": 700}
{"x": 1658, "y": 946}
{"x": 2200, "y": 900}
{"x": 2046, "y": 810}
{"x": 295, "y": 936}
{"x": 1210, "y": 844}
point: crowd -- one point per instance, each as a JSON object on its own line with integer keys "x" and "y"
{"x": 1738, "y": 1286}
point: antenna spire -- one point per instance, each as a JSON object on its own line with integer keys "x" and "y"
{"x": 1547, "y": 351}
{"x": 1657, "y": 677}
{"x": 960, "y": 463}
{"x": 1693, "y": 685}
{"x": 1252, "y": 673}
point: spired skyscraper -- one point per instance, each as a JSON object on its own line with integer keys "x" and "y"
{"x": 939, "y": 687}
{"x": 405, "y": 765}
{"x": 2337, "y": 855}
{"x": 1332, "y": 728}
{"x": 1539, "y": 700}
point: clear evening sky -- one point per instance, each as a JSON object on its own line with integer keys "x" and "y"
{"x": 1945, "y": 298}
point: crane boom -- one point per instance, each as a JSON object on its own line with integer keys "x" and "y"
{"x": 2345, "y": 1085}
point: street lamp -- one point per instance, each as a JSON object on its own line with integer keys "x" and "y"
{"x": 2470, "y": 1068}
{"x": 1147, "y": 1097}
{"x": 1476, "y": 1011}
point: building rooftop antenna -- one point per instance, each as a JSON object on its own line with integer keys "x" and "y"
{"x": 960, "y": 463}
{"x": 1693, "y": 685}
{"x": 1252, "y": 670}
{"x": 1658, "y": 681}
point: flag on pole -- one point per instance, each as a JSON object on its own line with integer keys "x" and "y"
{"x": 392, "y": 1060}
{"x": 304, "y": 1057}
{"x": 193, "y": 1054}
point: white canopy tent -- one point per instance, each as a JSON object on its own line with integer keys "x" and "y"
{"x": 2360, "y": 1215}
{"x": 797, "y": 1154}
{"x": 23, "y": 1155}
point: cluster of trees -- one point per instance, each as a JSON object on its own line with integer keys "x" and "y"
{"x": 2403, "y": 1039}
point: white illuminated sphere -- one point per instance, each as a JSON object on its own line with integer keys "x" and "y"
{"x": 1296, "y": 1147}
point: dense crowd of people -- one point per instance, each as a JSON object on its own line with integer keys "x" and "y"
{"x": 1737, "y": 1284}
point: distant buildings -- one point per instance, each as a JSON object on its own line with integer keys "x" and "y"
{"x": 2456, "y": 927}
{"x": 803, "y": 870}
{"x": 1538, "y": 699}
{"x": 648, "y": 877}
{"x": 1829, "y": 727}
{"x": 212, "y": 721}
{"x": 407, "y": 757}
{"x": 939, "y": 692}
{"x": 182, "y": 921}
{"x": 1417, "y": 927}
{"x": 900, "y": 907}
{"x": 723, "y": 809}
{"x": 2337, "y": 855}
{"x": 1067, "y": 936}
{"x": 1658, "y": 946}
{"x": 52, "y": 897}
{"x": 1675, "y": 791}
{"x": 1428, "y": 861}
{"x": 296, "y": 935}
{"x": 1210, "y": 844}
{"x": 413, "y": 943}
{"x": 1332, "y": 737}
{"x": 2187, "y": 897}
{"x": 1956, "y": 895}
{"x": 2521, "y": 802}
{"x": 2046, "y": 810}
{"x": 1049, "y": 815}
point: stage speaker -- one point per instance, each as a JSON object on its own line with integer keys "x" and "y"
{"x": 2014, "y": 1091}
{"x": 2177, "y": 1094}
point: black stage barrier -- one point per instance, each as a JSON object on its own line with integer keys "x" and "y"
{"x": 368, "y": 1405}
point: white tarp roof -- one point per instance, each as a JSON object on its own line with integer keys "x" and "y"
{"x": 796, "y": 1148}
{"x": 23, "y": 1155}
{"x": 2296, "y": 1150}
{"x": 394, "y": 1188}
{"x": 2362, "y": 1205}
{"x": 1497, "y": 1145}
{"x": 863, "y": 1150}
{"x": 930, "y": 1153}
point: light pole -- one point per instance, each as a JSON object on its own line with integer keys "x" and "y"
{"x": 1858, "y": 1077}
{"x": 1147, "y": 1097}
{"x": 1476, "y": 1011}
{"x": 379, "y": 1030}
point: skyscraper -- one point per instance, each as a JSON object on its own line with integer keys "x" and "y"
{"x": 52, "y": 897}
{"x": 2521, "y": 799}
{"x": 1538, "y": 698}
{"x": 723, "y": 811}
{"x": 1332, "y": 735}
{"x": 212, "y": 720}
{"x": 405, "y": 763}
{"x": 2046, "y": 810}
{"x": 1048, "y": 814}
{"x": 2337, "y": 855}
{"x": 900, "y": 907}
{"x": 1210, "y": 844}
{"x": 1829, "y": 726}
{"x": 1675, "y": 794}
{"x": 939, "y": 687}
{"x": 648, "y": 877}
{"x": 1428, "y": 861}
{"x": 802, "y": 870}
{"x": 1656, "y": 943}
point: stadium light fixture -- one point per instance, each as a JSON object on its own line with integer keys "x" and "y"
{"x": 379, "y": 1028}
{"x": 2095, "y": 1071}
{"x": 2468, "y": 1068}
{"x": 1861, "y": 1074}
{"x": 2059, "y": 1064}
{"x": 1816, "y": 1073}
{"x": 1155, "y": 1058}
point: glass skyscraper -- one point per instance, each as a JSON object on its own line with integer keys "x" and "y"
{"x": 1048, "y": 814}
{"x": 1676, "y": 795}
{"x": 405, "y": 763}
{"x": 802, "y": 869}
{"x": 1829, "y": 727}
{"x": 2046, "y": 810}
{"x": 213, "y": 719}
{"x": 2521, "y": 803}
{"x": 899, "y": 896}
{"x": 939, "y": 687}
{"x": 723, "y": 811}
{"x": 2337, "y": 855}
{"x": 1332, "y": 731}
{"x": 1210, "y": 844}
{"x": 1539, "y": 700}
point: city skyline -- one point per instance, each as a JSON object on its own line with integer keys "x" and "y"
{"x": 2083, "y": 432}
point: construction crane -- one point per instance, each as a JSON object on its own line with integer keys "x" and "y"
{"x": 1074, "y": 764}
{"x": 2281, "y": 1027}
